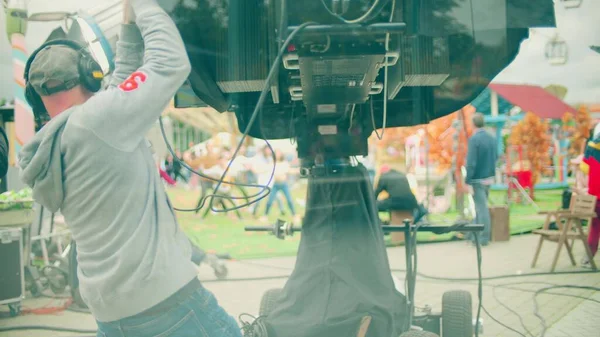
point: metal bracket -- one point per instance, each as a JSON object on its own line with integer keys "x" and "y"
{"x": 351, "y": 29}
{"x": 376, "y": 89}
{"x": 296, "y": 93}
{"x": 291, "y": 61}
{"x": 391, "y": 58}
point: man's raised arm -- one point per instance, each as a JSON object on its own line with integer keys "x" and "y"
{"x": 123, "y": 114}
{"x": 130, "y": 48}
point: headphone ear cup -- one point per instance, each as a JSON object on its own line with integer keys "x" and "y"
{"x": 91, "y": 73}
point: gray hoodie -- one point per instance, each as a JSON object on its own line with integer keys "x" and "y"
{"x": 93, "y": 163}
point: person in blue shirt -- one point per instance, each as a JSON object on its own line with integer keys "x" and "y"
{"x": 482, "y": 156}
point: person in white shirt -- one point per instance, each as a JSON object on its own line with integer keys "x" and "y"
{"x": 280, "y": 184}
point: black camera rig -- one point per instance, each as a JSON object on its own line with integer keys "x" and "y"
{"x": 361, "y": 65}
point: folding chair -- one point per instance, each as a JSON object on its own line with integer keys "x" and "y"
{"x": 569, "y": 223}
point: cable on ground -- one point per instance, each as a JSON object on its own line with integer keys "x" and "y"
{"x": 255, "y": 114}
{"x": 46, "y": 328}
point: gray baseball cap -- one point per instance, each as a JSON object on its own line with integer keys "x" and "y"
{"x": 54, "y": 69}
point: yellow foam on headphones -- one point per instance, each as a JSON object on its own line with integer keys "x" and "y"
{"x": 97, "y": 75}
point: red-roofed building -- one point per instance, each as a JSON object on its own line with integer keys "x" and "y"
{"x": 535, "y": 99}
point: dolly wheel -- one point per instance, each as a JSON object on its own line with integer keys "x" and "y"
{"x": 267, "y": 303}
{"x": 457, "y": 314}
{"x": 221, "y": 271}
{"x": 418, "y": 334}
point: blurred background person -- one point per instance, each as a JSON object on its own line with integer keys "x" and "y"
{"x": 280, "y": 184}
{"x": 590, "y": 166}
{"x": 262, "y": 167}
{"x": 482, "y": 156}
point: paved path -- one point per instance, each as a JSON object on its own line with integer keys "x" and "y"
{"x": 582, "y": 321}
{"x": 508, "y": 300}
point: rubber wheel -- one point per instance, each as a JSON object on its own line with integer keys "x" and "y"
{"x": 457, "y": 314}
{"x": 267, "y": 303}
{"x": 419, "y": 334}
{"x": 221, "y": 272}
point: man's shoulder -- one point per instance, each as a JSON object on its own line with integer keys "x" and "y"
{"x": 483, "y": 134}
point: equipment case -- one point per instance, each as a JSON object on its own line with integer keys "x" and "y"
{"x": 12, "y": 280}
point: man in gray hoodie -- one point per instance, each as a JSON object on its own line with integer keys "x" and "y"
{"x": 93, "y": 163}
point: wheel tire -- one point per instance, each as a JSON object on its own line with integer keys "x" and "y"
{"x": 221, "y": 272}
{"x": 267, "y": 303}
{"x": 457, "y": 314}
{"x": 418, "y": 334}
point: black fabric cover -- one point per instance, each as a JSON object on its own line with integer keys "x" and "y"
{"x": 342, "y": 272}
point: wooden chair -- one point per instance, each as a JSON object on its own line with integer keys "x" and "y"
{"x": 569, "y": 223}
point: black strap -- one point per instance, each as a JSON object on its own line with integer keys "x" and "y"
{"x": 62, "y": 87}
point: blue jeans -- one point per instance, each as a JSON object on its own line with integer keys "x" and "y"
{"x": 285, "y": 188}
{"x": 482, "y": 212}
{"x": 200, "y": 316}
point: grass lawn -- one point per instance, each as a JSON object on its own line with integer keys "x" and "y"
{"x": 224, "y": 233}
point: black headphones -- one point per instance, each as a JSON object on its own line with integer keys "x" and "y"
{"x": 90, "y": 74}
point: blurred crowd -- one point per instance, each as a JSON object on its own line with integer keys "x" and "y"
{"x": 252, "y": 166}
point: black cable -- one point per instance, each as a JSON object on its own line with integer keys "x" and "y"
{"x": 433, "y": 280}
{"x": 499, "y": 277}
{"x": 371, "y": 13}
{"x": 536, "y": 305}
{"x": 261, "y": 101}
{"x": 255, "y": 113}
{"x": 548, "y": 293}
{"x": 538, "y": 292}
{"x": 44, "y": 327}
{"x": 437, "y": 278}
{"x": 480, "y": 288}
{"x": 512, "y": 311}
{"x": 228, "y": 197}
{"x": 256, "y": 328}
{"x": 498, "y": 321}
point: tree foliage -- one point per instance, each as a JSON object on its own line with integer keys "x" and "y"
{"x": 531, "y": 135}
{"x": 581, "y": 131}
{"x": 442, "y": 134}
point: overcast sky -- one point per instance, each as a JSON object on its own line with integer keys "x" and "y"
{"x": 579, "y": 27}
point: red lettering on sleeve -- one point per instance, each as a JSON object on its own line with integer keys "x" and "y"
{"x": 133, "y": 81}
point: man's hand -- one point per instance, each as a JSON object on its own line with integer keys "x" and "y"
{"x": 128, "y": 14}
{"x": 466, "y": 189}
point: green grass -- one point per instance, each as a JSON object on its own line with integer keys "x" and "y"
{"x": 224, "y": 233}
